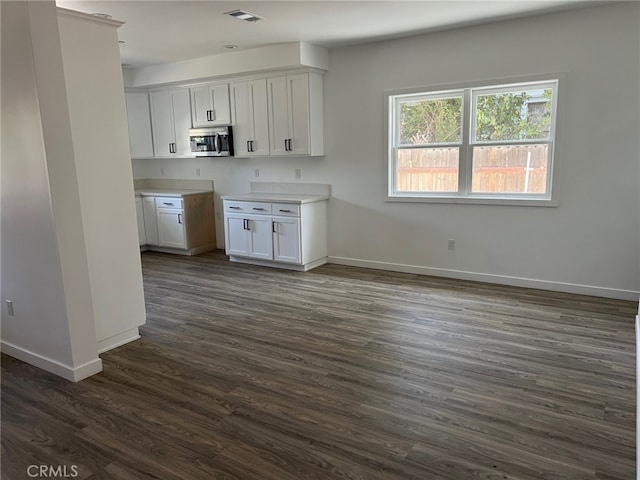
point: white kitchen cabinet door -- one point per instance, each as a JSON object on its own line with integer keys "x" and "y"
{"x": 298, "y": 105}
{"x": 182, "y": 121}
{"x": 242, "y": 133}
{"x": 150, "y": 220}
{"x": 142, "y": 237}
{"x": 210, "y": 105}
{"x": 248, "y": 236}
{"x": 235, "y": 234}
{"x": 139, "y": 122}
{"x": 171, "y": 228}
{"x": 286, "y": 239}
{"x": 260, "y": 239}
{"x": 278, "y": 115}
{"x": 162, "y": 123}
{"x": 170, "y": 122}
{"x": 250, "y": 118}
{"x": 289, "y": 114}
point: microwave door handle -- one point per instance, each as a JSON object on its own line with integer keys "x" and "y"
{"x": 218, "y": 144}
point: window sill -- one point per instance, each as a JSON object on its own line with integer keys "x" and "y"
{"x": 518, "y": 202}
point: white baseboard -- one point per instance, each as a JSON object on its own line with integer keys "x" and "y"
{"x": 490, "y": 278}
{"x": 73, "y": 374}
{"x": 281, "y": 265}
{"x": 118, "y": 340}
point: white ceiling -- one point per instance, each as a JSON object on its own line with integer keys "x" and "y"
{"x": 167, "y": 31}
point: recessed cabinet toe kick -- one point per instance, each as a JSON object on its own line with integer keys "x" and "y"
{"x": 289, "y": 234}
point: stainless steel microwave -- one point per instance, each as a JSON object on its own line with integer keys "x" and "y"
{"x": 212, "y": 142}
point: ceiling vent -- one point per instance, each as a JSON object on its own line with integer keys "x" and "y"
{"x": 244, "y": 15}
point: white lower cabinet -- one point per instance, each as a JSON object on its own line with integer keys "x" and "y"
{"x": 260, "y": 241}
{"x": 249, "y": 236}
{"x": 183, "y": 225}
{"x": 150, "y": 221}
{"x": 276, "y": 234}
{"x": 171, "y": 229}
{"x": 286, "y": 239}
{"x": 142, "y": 236}
{"x": 235, "y": 232}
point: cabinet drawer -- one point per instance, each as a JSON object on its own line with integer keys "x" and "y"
{"x": 258, "y": 208}
{"x": 168, "y": 202}
{"x": 285, "y": 209}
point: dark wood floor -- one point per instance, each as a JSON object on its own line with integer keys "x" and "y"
{"x": 251, "y": 373}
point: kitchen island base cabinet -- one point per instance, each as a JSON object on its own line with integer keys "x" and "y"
{"x": 283, "y": 235}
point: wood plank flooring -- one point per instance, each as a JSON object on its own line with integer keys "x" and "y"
{"x": 250, "y": 373}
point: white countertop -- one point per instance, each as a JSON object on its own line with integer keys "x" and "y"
{"x": 276, "y": 197}
{"x": 168, "y": 192}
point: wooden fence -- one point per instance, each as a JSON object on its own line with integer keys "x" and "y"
{"x": 508, "y": 169}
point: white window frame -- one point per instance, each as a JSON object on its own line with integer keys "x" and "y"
{"x": 469, "y": 93}
{"x": 395, "y": 134}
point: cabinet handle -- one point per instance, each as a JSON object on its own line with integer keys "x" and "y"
{"x": 235, "y": 208}
{"x": 170, "y": 148}
{"x": 260, "y": 209}
{"x": 290, "y": 147}
{"x": 209, "y": 116}
{"x": 273, "y": 227}
{"x": 285, "y": 211}
{"x": 285, "y": 145}
{"x": 167, "y": 203}
{"x": 248, "y": 226}
{"x": 248, "y": 145}
{"x": 252, "y": 149}
{"x": 180, "y": 218}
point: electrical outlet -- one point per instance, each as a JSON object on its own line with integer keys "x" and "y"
{"x": 451, "y": 244}
{"x": 197, "y": 172}
{"x": 10, "y": 308}
{"x": 256, "y": 172}
{"x": 298, "y": 173}
{"x": 162, "y": 172}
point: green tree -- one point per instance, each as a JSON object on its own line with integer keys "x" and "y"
{"x": 431, "y": 121}
{"x": 512, "y": 116}
{"x": 502, "y": 116}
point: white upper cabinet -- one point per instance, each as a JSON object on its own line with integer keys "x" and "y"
{"x": 296, "y": 114}
{"x": 210, "y": 105}
{"x": 139, "y": 118}
{"x": 170, "y": 122}
{"x": 281, "y": 115}
{"x": 250, "y": 118}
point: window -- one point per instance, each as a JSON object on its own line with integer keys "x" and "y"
{"x": 489, "y": 142}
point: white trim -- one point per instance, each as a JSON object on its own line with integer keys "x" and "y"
{"x": 508, "y": 202}
{"x": 88, "y": 17}
{"x": 73, "y": 374}
{"x": 118, "y": 340}
{"x": 491, "y": 278}
{"x": 284, "y": 266}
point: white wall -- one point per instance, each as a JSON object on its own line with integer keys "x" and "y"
{"x": 589, "y": 244}
{"x": 44, "y": 267}
{"x": 91, "y": 60}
